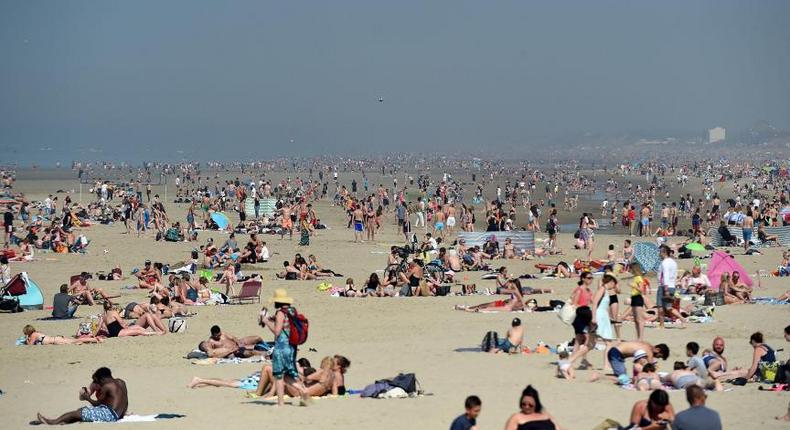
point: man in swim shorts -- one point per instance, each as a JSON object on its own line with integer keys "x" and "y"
{"x": 357, "y": 218}
{"x": 111, "y": 402}
{"x": 514, "y": 338}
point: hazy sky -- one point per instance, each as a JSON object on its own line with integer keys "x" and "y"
{"x": 226, "y": 79}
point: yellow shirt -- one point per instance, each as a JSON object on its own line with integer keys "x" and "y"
{"x": 636, "y": 286}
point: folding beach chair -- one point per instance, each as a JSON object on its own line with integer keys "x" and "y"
{"x": 250, "y": 291}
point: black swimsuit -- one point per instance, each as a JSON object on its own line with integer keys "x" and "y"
{"x": 537, "y": 425}
{"x": 114, "y": 329}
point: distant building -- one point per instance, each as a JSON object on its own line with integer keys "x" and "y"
{"x": 716, "y": 134}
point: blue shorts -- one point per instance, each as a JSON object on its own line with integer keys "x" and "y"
{"x": 504, "y": 345}
{"x": 645, "y": 221}
{"x": 617, "y": 361}
{"x": 358, "y": 226}
{"x": 747, "y": 235}
{"x": 98, "y": 414}
{"x": 439, "y": 226}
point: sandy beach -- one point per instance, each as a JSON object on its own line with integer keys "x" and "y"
{"x": 381, "y": 337}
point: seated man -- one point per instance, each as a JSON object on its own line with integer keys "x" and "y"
{"x": 111, "y": 402}
{"x": 513, "y": 340}
{"x": 223, "y": 345}
{"x": 81, "y": 291}
{"x": 63, "y": 304}
{"x": 727, "y": 238}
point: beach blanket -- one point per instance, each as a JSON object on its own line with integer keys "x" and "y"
{"x": 522, "y": 240}
{"x": 234, "y": 360}
{"x": 770, "y": 301}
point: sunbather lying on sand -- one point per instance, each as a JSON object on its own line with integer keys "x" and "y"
{"x": 34, "y": 337}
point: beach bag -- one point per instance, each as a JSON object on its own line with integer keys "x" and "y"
{"x": 406, "y": 381}
{"x": 567, "y": 313}
{"x": 373, "y": 390}
{"x": 490, "y": 341}
{"x": 177, "y": 325}
{"x": 714, "y": 298}
{"x": 769, "y": 371}
{"x": 298, "y": 325}
{"x": 171, "y": 235}
{"x": 10, "y": 305}
{"x": 85, "y": 329}
{"x": 443, "y": 290}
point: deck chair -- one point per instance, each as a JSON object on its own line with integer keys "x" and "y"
{"x": 250, "y": 290}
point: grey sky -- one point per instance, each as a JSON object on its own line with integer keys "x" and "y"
{"x": 225, "y": 79}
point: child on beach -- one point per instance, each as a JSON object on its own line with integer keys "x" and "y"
{"x": 564, "y": 367}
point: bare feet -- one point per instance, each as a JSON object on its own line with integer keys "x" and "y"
{"x": 193, "y": 383}
{"x": 595, "y": 376}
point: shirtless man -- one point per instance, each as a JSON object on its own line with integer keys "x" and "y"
{"x": 513, "y": 340}
{"x": 452, "y": 261}
{"x": 357, "y": 219}
{"x": 509, "y": 250}
{"x": 286, "y": 224}
{"x": 439, "y": 218}
{"x": 149, "y": 277}
{"x": 714, "y": 359}
{"x": 82, "y": 291}
{"x": 110, "y": 405}
{"x": 748, "y": 225}
{"x": 619, "y": 352}
{"x": 223, "y": 345}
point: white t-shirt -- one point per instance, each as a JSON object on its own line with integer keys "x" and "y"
{"x": 668, "y": 273}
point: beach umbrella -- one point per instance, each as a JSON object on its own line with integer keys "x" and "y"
{"x": 646, "y": 254}
{"x": 221, "y": 220}
{"x": 722, "y": 262}
{"x": 694, "y": 246}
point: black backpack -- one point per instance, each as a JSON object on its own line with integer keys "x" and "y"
{"x": 490, "y": 341}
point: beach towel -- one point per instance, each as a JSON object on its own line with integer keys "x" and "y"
{"x": 234, "y": 360}
{"x": 148, "y": 418}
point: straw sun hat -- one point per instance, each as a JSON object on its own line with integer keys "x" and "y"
{"x": 281, "y": 296}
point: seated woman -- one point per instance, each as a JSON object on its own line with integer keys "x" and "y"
{"x": 509, "y": 250}
{"x": 531, "y": 414}
{"x": 33, "y": 337}
{"x": 114, "y": 325}
{"x": 762, "y": 355}
{"x": 653, "y": 413}
{"x": 317, "y": 269}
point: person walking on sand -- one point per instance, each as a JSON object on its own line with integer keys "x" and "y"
{"x": 111, "y": 404}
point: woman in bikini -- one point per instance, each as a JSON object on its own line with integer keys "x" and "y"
{"x": 115, "y": 326}
{"x": 33, "y": 337}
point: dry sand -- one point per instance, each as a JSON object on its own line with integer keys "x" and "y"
{"x": 380, "y": 336}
